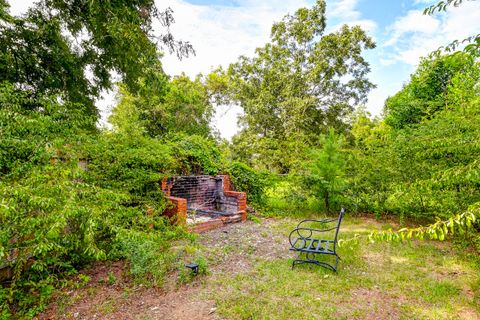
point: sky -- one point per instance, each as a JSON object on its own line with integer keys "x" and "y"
{"x": 222, "y": 30}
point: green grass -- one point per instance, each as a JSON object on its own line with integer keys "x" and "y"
{"x": 417, "y": 280}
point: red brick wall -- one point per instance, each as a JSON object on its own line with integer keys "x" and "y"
{"x": 176, "y": 210}
{"x": 195, "y": 192}
{"x": 166, "y": 186}
{"x": 241, "y": 197}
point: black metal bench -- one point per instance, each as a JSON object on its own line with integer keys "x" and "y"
{"x": 307, "y": 241}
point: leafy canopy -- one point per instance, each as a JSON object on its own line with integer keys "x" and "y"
{"x": 72, "y": 48}
{"x": 163, "y": 107}
{"x": 428, "y": 90}
{"x": 299, "y": 84}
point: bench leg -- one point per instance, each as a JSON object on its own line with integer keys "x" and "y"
{"x": 318, "y": 263}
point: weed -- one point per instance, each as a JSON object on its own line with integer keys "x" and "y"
{"x": 111, "y": 279}
{"x": 254, "y": 218}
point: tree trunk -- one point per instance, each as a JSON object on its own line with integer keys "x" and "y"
{"x": 327, "y": 201}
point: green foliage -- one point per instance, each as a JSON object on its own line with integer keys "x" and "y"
{"x": 186, "y": 275}
{"x": 324, "y": 176}
{"x": 163, "y": 107}
{"x": 286, "y": 197}
{"x": 423, "y": 170}
{"x": 30, "y": 129}
{"x": 427, "y": 91}
{"x": 57, "y": 216}
{"x": 441, "y": 6}
{"x": 430, "y": 170}
{"x": 459, "y": 224}
{"x": 295, "y": 87}
{"x": 63, "y": 222}
{"x": 70, "y": 194}
{"x": 133, "y": 164}
{"x": 195, "y": 155}
{"x": 48, "y": 49}
{"x": 248, "y": 180}
{"x": 149, "y": 257}
{"x": 111, "y": 278}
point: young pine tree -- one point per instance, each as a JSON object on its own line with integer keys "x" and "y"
{"x": 326, "y": 171}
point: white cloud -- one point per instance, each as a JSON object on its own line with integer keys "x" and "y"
{"x": 19, "y": 7}
{"x": 414, "y": 21}
{"x": 344, "y": 9}
{"x": 220, "y": 34}
{"x": 415, "y": 35}
{"x": 342, "y": 12}
{"x": 425, "y": 1}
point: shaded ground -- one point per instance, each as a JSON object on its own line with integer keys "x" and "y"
{"x": 250, "y": 278}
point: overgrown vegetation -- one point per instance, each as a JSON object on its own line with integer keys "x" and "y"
{"x": 72, "y": 193}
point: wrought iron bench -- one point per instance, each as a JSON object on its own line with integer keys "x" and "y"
{"x": 307, "y": 241}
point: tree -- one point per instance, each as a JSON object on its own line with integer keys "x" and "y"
{"x": 325, "y": 172}
{"x": 163, "y": 107}
{"x": 300, "y": 83}
{"x": 424, "y": 166}
{"x": 72, "y": 47}
{"x": 427, "y": 91}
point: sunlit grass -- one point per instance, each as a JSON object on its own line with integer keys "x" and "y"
{"x": 414, "y": 280}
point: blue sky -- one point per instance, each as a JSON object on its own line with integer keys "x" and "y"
{"x": 222, "y": 30}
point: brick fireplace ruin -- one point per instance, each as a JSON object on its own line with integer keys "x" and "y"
{"x": 204, "y": 202}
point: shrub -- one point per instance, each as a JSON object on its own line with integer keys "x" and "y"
{"x": 133, "y": 164}
{"x": 195, "y": 155}
{"x": 56, "y": 217}
{"x": 248, "y": 180}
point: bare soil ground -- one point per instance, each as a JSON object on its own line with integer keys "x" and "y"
{"x": 250, "y": 278}
{"x": 122, "y": 300}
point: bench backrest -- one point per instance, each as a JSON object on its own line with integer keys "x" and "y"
{"x": 338, "y": 227}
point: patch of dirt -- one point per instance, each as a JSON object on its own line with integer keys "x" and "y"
{"x": 99, "y": 300}
{"x": 231, "y": 248}
{"x": 145, "y": 303}
{"x": 234, "y": 246}
{"x": 373, "y": 304}
{"x": 467, "y": 314}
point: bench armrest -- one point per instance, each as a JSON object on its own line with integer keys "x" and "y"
{"x": 317, "y": 221}
{"x": 305, "y": 233}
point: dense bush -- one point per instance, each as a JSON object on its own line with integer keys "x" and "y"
{"x": 56, "y": 217}
{"x": 54, "y": 223}
{"x": 195, "y": 155}
{"x": 133, "y": 164}
{"x": 425, "y": 170}
{"x": 248, "y": 180}
{"x": 31, "y": 129}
